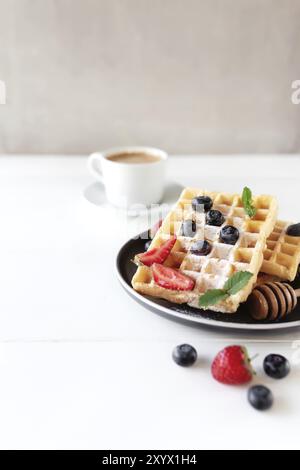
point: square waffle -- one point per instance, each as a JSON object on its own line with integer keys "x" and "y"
{"x": 213, "y": 270}
{"x": 282, "y": 254}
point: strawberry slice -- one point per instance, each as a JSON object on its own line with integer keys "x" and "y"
{"x": 156, "y": 255}
{"x": 170, "y": 278}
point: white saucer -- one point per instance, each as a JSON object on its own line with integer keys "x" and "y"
{"x": 95, "y": 194}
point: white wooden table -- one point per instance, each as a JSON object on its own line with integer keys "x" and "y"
{"x": 81, "y": 364}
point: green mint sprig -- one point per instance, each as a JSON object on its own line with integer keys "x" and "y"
{"x": 233, "y": 285}
{"x": 248, "y": 203}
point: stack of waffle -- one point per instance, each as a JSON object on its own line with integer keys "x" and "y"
{"x": 282, "y": 253}
{"x": 262, "y": 245}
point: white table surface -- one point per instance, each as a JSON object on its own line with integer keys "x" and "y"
{"x": 81, "y": 364}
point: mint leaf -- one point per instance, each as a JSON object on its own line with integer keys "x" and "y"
{"x": 237, "y": 282}
{"x": 248, "y": 203}
{"x": 212, "y": 297}
{"x": 234, "y": 284}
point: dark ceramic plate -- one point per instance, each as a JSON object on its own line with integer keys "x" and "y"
{"x": 239, "y": 320}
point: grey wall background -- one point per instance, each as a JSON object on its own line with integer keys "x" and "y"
{"x": 186, "y": 75}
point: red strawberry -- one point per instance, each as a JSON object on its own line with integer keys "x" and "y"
{"x": 232, "y": 366}
{"x": 170, "y": 278}
{"x": 155, "y": 228}
{"x": 156, "y": 255}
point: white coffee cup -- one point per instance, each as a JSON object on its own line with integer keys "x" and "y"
{"x": 128, "y": 184}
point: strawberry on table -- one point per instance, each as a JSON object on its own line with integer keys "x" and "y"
{"x": 232, "y": 366}
{"x": 170, "y": 278}
{"x": 156, "y": 255}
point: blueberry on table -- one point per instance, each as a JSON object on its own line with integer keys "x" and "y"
{"x": 201, "y": 248}
{"x": 184, "y": 355}
{"x": 200, "y": 202}
{"x": 229, "y": 235}
{"x": 215, "y": 218}
{"x": 260, "y": 397}
{"x": 188, "y": 228}
{"x": 293, "y": 230}
{"x": 276, "y": 366}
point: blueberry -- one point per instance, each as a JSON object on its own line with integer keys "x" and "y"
{"x": 276, "y": 366}
{"x": 201, "y": 248}
{"x": 215, "y": 218}
{"x": 147, "y": 245}
{"x": 293, "y": 230}
{"x": 260, "y": 397}
{"x": 229, "y": 235}
{"x": 188, "y": 228}
{"x": 184, "y": 355}
{"x": 202, "y": 201}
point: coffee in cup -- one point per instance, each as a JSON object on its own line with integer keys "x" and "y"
{"x": 131, "y": 175}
